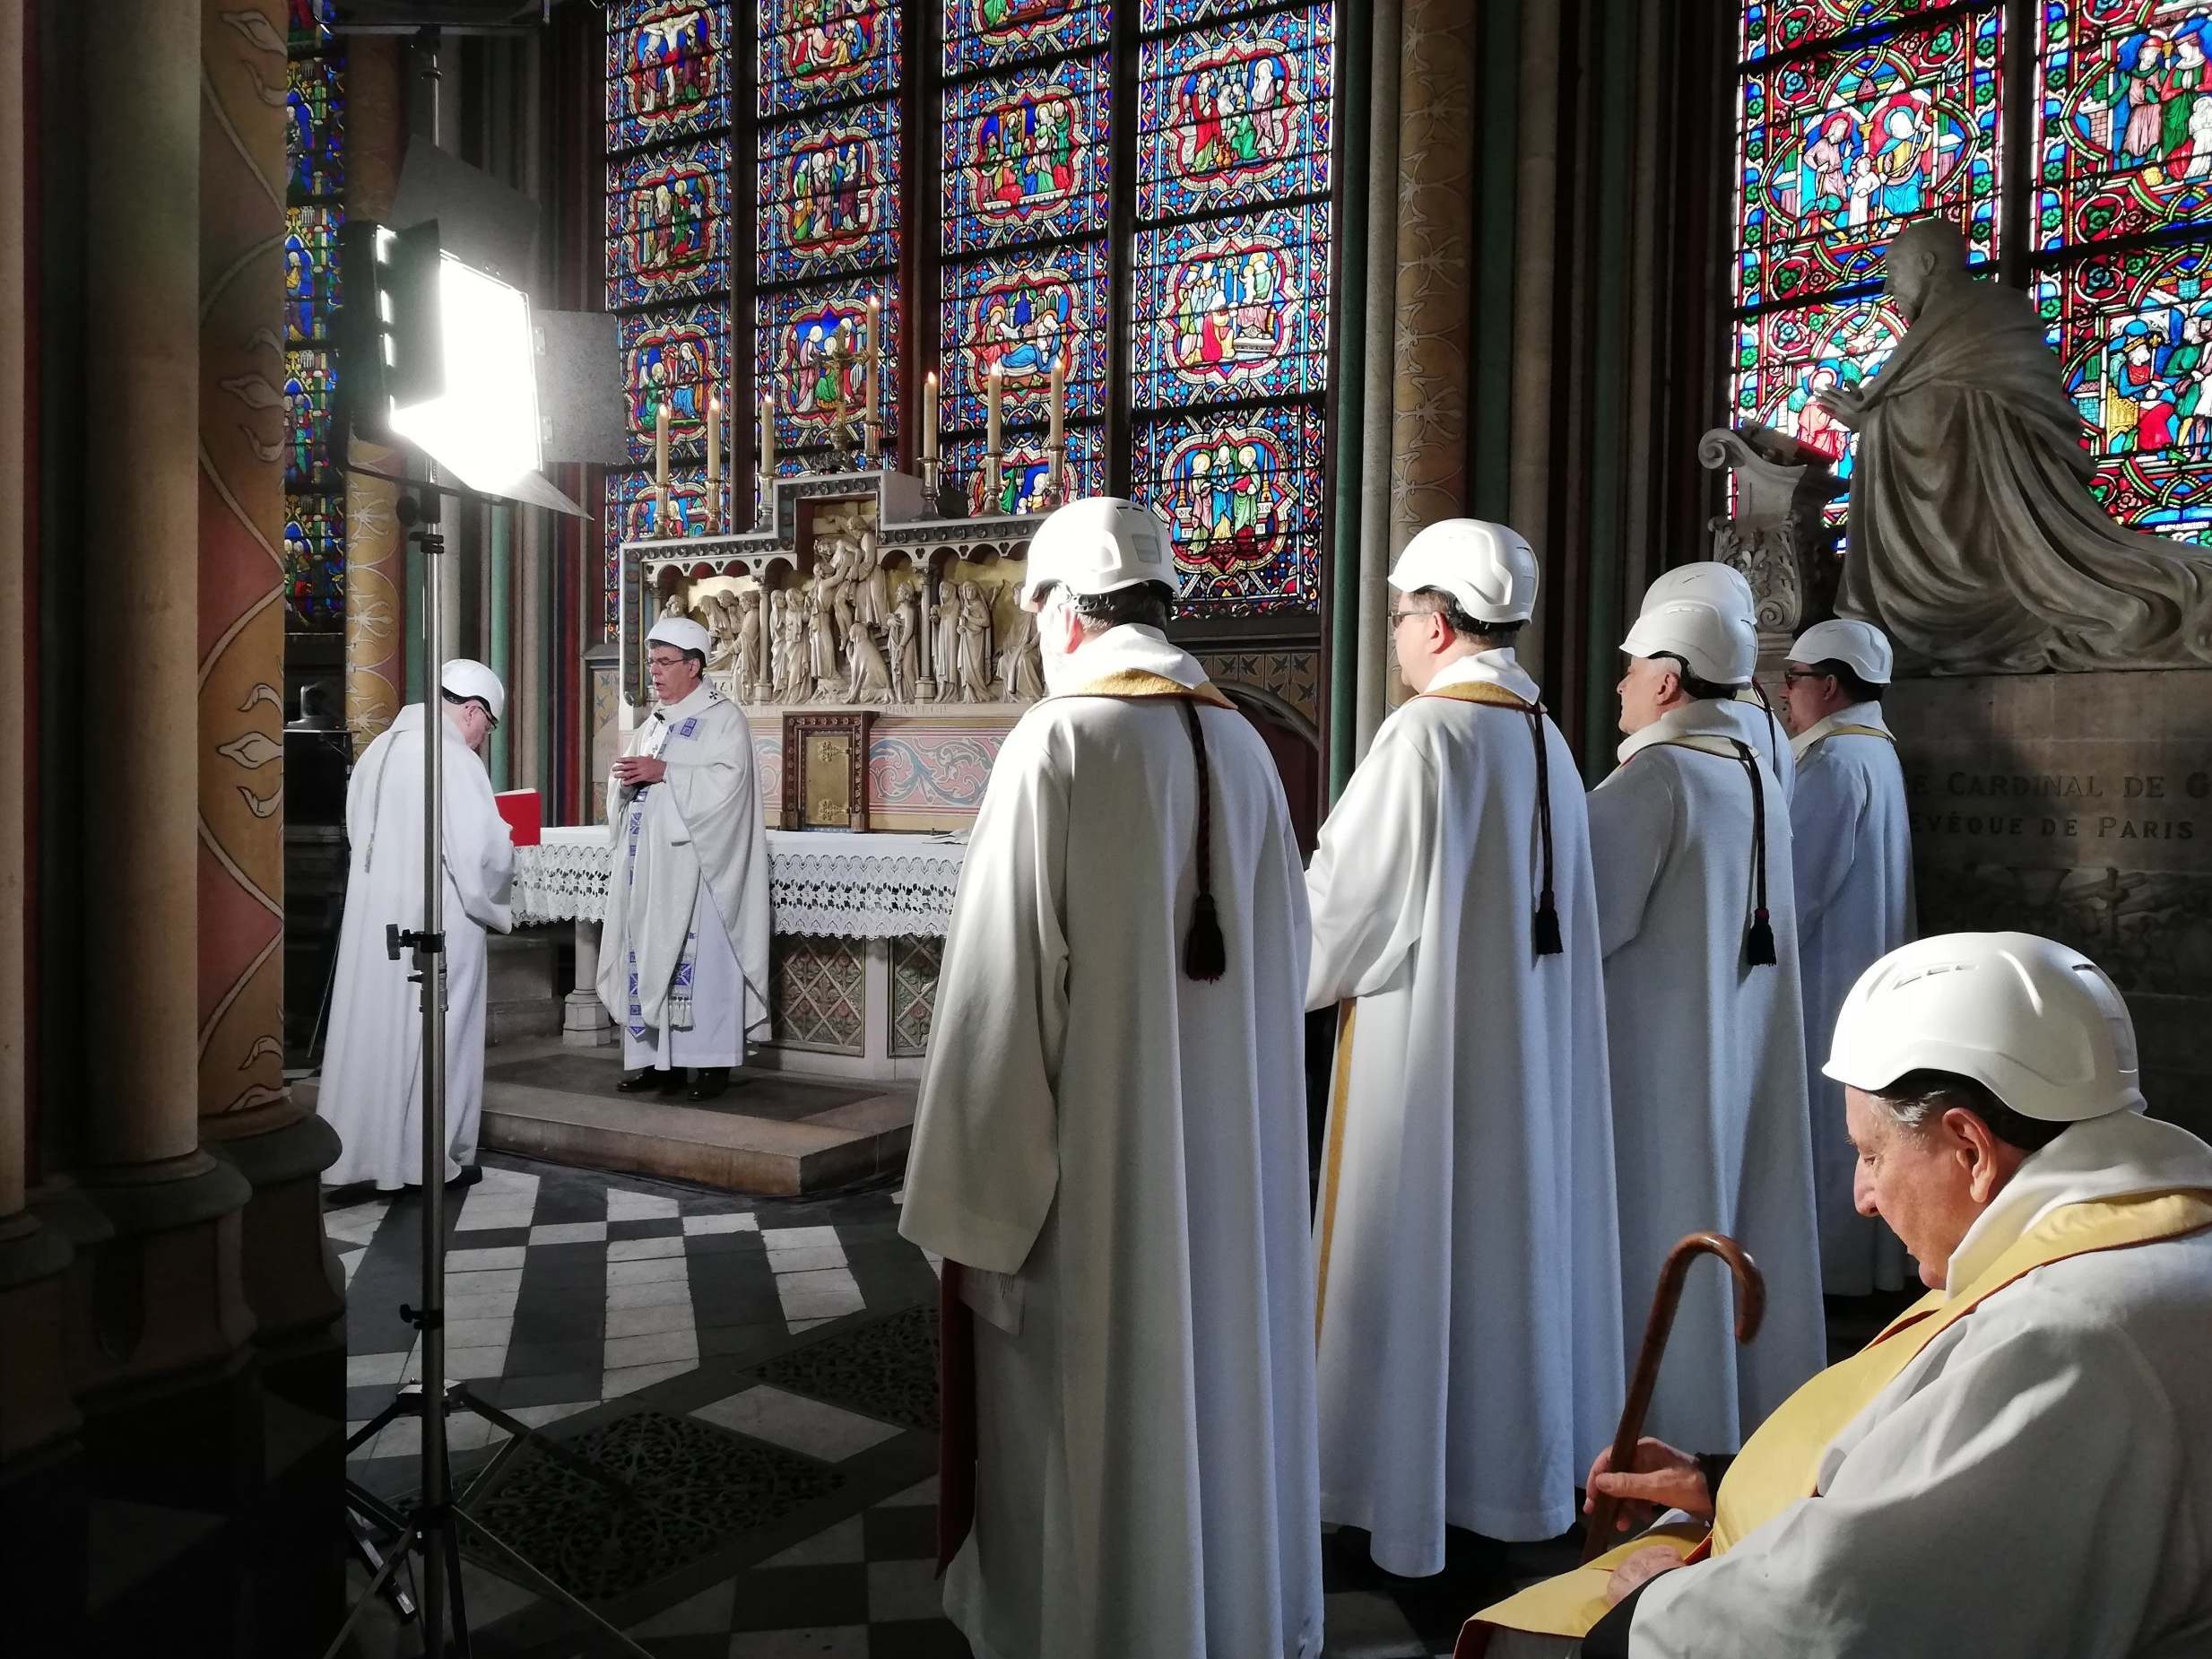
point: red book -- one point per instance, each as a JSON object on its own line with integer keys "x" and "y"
{"x": 520, "y": 808}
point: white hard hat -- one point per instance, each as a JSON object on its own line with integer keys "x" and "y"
{"x": 464, "y": 676}
{"x": 2036, "y": 1023}
{"x": 1860, "y": 645}
{"x": 1487, "y": 568}
{"x": 681, "y": 632}
{"x": 1718, "y": 647}
{"x": 1708, "y": 580}
{"x": 1098, "y": 545}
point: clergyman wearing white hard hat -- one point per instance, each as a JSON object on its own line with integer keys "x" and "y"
{"x": 1724, "y": 587}
{"x": 1851, "y": 850}
{"x": 2020, "y": 1464}
{"x": 1455, "y": 923}
{"x": 371, "y": 1088}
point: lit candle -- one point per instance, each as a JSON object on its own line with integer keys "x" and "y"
{"x": 996, "y": 411}
{"x": 660, "y": 445}
{"x": 929, "y": 416}
{"x": 714, "y": 438}
{"x": 1060, "y": 402}
{"x": 875, "y": 364}
{"x": 768, "y": 441}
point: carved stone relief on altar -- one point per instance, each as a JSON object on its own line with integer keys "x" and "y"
{"x": 849, "y": 622}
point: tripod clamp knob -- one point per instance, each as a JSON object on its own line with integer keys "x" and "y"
{"x": 423, "y": 1318}
{"x": 397, "y": 939}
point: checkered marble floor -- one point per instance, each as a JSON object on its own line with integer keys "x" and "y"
{"x": 600, "y": 1304}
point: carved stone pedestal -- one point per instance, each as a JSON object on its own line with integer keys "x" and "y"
{"x": 2078, "y": 807}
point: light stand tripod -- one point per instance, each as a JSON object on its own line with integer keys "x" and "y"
{"x": 434, "y": 1529}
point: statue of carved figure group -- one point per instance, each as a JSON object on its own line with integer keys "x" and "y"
{"x": 852, "y": 635}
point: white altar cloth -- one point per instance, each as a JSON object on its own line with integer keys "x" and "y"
{"x": 820, "y": 883}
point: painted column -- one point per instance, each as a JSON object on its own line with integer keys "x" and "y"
{"x": 376, "y": 604}
{"x": 165, "y": 1292}
{"x": 247, "y": 1115}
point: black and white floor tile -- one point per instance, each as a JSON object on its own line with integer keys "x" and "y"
{"x": 690, "y": 1326}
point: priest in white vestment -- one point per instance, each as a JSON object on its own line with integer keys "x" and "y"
{"x": 371, "y": 1086}
{"x": 1746, "y": 711}
{"x": 1852, "y": 849}
{"x": 2021, "y": 1463}
{"x": 1109, "y": 1150}
{"x": 1469, "y": 1328}
{"x": 1704, "y": 1028}
{"x": 683, "y": 956}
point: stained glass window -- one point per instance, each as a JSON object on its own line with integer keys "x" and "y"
{"x": 680, "y": 356}
{"x": 1026, "y": 156}
{"x": 1229, "y": 344}
{"x": 817, "y": 51}
{"x": 801, "y": 356}
{"x": 827, "y": 192}
{"x": 314, "y": 477}
{"x": 2112, "y": 174}
{"x": 983, "y": 34}
{"x": 667, "y": 71}
{"x": 1025, "y": 474}
{"x": 1841, "y": 149}
{"x": 1231, "y": 306}
{"x": 668, "y": 232}
{"x": 1023, "y": 312}
{"x": 1235, "y": 116}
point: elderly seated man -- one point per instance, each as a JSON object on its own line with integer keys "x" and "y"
{"x": 2021, "y": 1464}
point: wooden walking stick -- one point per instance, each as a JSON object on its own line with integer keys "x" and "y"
{"x": 1750, "y": 1308}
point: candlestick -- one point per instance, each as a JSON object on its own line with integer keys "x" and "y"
{"x": 767, "y": 448}
{"x": 874, "y": 373}
{"x": 714, "y": 438}
{"x": 660, "y": 444}
{"x": 929, "y": 416}
{"x": 1059, "y": 400}
{"x": 994, "y": 441}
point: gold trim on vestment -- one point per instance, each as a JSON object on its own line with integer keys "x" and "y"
{"x": 1141, "y": 683}
{"x": 1483, "y": 692}
{"x": 1332, "y": 1164}
{"x": 1780, "y": 1464}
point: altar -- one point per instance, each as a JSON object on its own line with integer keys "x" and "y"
{"x": 859, "y": 924}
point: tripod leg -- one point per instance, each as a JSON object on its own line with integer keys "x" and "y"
{"x": 374, "y": 1425}
{"x": 371, "y": 1558}
{"x": 508, "y": 1564}
{"x": 452, "y": 1586}
{"x": 520, "y": 1431}
{"x": 376, "y": 1588}
{"x": 360, "y": 1501}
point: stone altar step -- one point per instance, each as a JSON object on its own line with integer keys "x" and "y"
{"x": 772, "y": 1133}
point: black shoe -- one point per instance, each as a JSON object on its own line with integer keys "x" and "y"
{"x": 651, "y": 1081}
{"x": 709, "y": 1080}
{"x": 471, "y": 1174}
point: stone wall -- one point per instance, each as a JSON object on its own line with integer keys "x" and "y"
{"x": 2078, "y": 807}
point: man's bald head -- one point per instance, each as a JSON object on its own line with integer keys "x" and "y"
{"x": 1921, "y": 256}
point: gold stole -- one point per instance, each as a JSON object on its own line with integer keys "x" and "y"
{"x": 1140, "y": 682}
{"x": 1780, "y": 1464}
{"x": 1482, "y": 691}
{"x": 1851, "y": 731}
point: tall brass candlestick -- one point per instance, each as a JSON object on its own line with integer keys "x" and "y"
{"x": 995, "y": 438}
{"x": 874, "y": 376}
{"x": 714, "y": 462}
{"x": 659, "y": 467}
{"x": 768, "y": 449}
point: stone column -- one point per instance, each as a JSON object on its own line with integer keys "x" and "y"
{"x": 375, "y": 558}
{"x": 165, "y": 1295}
{"x": 292, "y": 1280}
{"x": 35, "y": 1406}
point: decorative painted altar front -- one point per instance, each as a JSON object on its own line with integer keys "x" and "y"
{"x": 859, "y": 926}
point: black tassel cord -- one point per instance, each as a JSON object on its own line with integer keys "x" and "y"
{"x": 1759, "y": 943}
{"x": 1205, "y": 954}
{"x": 1547, "y": 923}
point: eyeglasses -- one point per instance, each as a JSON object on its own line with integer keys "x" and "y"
{"x": 1791, "y": 677}
{"x": 662, "y": 662}
{"x": 1397, "y": 617}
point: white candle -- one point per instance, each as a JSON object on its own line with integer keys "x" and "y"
{"x": 995, "y": 410}
{"x": 660, "y": 444}
{"x": 768, "y": 441}
{"x": 714, "y": 438}
{"x": 929, "y": 416}
{"x": 1060, "y": 401}
{"x": 875, "y": 362}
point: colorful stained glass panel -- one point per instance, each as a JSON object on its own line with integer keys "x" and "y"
{"x": 1242, "y": 492}
{"x": 1022, "y": 312}
{"x": 1155, "y": 15}
{"x": 818, "y": 51}
{"x": 828, "y": 192}
{"x": 633, "y": 513}
{"x": 1236, "y": 116}
{"x": 1784, "y": 359}
{"x": 1839, "y": 149}
{"x": 798, "y": 357}
{"x": 2124, "y": 122}
{"x": 680, "y": 356}
{"x": 984, "y": 34}
{"x": 668, "y": 235}
{"x": 308, "y": 384}
{"x": 1232, "y": 307}
{"x": 308, "y": 22}
{"x": 315, "y": 128}
{"x": 1026, "y": 155}
{"x": 1771, "y": 26}
{"x": 2133, "y": 332}
{"x": 1025, "y": 478}
{"x": 667, "y": 71}
{"x": 314, "y": 563}
{"x": 310, "y": 270}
